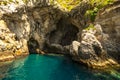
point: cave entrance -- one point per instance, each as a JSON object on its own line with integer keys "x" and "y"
{"x": 32, "y": 46}
{"x": 70, "y": 35}
{"x": 64, "y": 34}
{"x": 56, "y": 40}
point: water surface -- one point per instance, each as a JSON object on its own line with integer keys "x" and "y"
{"x": 47, "y": 67}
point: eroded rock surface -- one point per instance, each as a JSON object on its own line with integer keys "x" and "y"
{"x": 109, "y": 19}
{"x": 9, "y": 46}
{"x": 90, "y": 51}
{"x": 45, "y": 29}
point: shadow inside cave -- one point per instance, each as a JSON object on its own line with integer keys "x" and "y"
{"x": 62, "y": 36}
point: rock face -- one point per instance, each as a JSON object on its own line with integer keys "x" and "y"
{"x": 39, "y": 29}
{"x": 90, "y": 51}
{"x": 45, "y": 29}
{"x": 99, "y": 45}
{"x": 109, "y": 19}
{"x": 9, "y": 46}
{"x": 32, "y": 25}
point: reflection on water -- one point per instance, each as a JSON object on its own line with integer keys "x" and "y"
{"x": 6, "y": 67}
{"x": 39, "y": 67}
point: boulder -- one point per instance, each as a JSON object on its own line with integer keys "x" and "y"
{"x": 90, "y": 51}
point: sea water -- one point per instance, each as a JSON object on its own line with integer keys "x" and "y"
{"x": 51, "y": 67}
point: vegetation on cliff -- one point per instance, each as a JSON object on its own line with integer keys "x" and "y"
{"x": 65, "y": 5}
{"x": 97, "y": 5}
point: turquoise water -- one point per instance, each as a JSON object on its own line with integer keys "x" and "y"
{"x": 41, "y": 67}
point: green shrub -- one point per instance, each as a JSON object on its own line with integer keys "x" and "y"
{"x": 91, "y": 26}
{"x": 65, "y": 5}
{"x": 97, "y": 5}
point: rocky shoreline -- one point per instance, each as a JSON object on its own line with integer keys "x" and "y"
{"x": 49, "y": 30}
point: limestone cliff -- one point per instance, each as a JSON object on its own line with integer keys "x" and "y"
{"x": 109, "y": 19}
{"x": 99, "y": 45}
{"x": 29, "y": 28}
{"x": 45, "y": 29}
